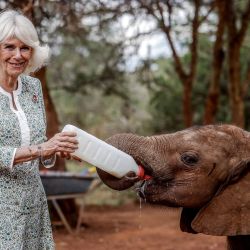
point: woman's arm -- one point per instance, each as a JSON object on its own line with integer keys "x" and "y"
{"x": 64, "y": 142}
{"x": 24, "y": 154}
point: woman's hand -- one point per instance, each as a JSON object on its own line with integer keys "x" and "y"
{"x": 68, "y": 156}
{"x": 63, "y": 143}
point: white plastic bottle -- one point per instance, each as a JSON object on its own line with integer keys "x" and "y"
{"x": 102, "y": 155}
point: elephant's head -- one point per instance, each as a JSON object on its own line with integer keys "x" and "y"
{"x": 205, "y": 170}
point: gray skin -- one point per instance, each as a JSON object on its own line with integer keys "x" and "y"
{"x": 204, "y": 170}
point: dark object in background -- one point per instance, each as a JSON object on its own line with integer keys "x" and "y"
{"x": 59, "y": 183}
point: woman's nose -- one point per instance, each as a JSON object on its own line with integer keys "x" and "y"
{"x": 18, "y": 54}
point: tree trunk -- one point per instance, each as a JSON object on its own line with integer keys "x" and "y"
{"x": 51, "y": 115}
{"x": 68, "y": 207}
{"x": 187, "y": 78}
{"x": 236, "y": 36}
{"x": 212, "y": 101}
{"x": 235, "y": 88}
{"x": 187, "y": 103}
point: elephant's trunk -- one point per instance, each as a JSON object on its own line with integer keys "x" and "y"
{"x": 130, "y": 144}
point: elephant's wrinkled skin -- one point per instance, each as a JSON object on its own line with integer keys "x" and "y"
{"x": 205, "y": 170}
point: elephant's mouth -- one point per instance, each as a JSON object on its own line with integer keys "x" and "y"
{"x": 144, "y": 188}
{"x": 152, "y": 192}
{"x": 156, "y": 189}
{"x": 141, "y": 185}
{"x": 149, "y": 191}
{"x": 140, "y": 189}
{"x": 148, "y": 170}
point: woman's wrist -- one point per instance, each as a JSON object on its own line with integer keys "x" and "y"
{"x": 29, "y": 153}
{"x": 34, "y": 151}
{"x": 48, "y": 161}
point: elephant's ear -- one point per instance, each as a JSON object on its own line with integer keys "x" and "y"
{"x": 187, "y": 216}
{"x": 228, "y": 213}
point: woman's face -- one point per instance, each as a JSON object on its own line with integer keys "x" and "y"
{"x": 14, "y": 56}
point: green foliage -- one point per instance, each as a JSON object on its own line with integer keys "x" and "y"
{"x": 82, "y": 64}
{"x": 203, "y": 77}
{"x": 100, "y": 115}
{"x": 106, "y": 196}
{"x": 166, "y": 91}
{"x": 166, "y": 98}
{"x": 90, "y": 87}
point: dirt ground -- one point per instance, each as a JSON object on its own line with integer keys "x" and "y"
{"x": 129, "y": 227}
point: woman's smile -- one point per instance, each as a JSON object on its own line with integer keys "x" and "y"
{"x": 20, "y": 64}
{"x": 17, "y": 67}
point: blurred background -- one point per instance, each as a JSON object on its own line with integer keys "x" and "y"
{"x": 141, "y": 66}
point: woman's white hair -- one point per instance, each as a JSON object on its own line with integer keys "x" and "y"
{"x": 14, "y": 24}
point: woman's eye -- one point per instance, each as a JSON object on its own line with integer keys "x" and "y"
{"x": 9, "y": 47}
{"x": 25, "y": 49}
{"x": 189, "y": 159}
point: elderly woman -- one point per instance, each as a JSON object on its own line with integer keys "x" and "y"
{"x": 24, "y": 218}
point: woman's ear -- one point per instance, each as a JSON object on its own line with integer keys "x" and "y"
{"x": 228, "y": 212}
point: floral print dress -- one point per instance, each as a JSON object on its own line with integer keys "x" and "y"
{"x": 24, "y": 217}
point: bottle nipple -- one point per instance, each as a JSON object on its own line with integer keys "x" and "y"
{"x": 141, "y": 174}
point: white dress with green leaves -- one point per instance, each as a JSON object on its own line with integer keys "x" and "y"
{"x": 24, "y": 217}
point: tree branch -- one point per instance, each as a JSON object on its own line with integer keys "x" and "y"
{"x": 167, "y": 30}
{"x": 194, "y": 43}
{"x": 204, "y": 18}
{"x": 245, "y": 85}
{"x": 244, "y": 24}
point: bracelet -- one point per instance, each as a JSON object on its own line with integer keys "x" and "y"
{"x": 32, "y": 154}
{"x": 47, "y": 163}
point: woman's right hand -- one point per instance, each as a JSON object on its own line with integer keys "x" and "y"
{"x": 64, "y": 142}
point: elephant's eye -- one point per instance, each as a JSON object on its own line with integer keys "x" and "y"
{"x": 189, "y": 159}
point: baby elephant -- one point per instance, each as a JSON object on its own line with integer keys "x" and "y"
{"x": 205, "y": 170}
